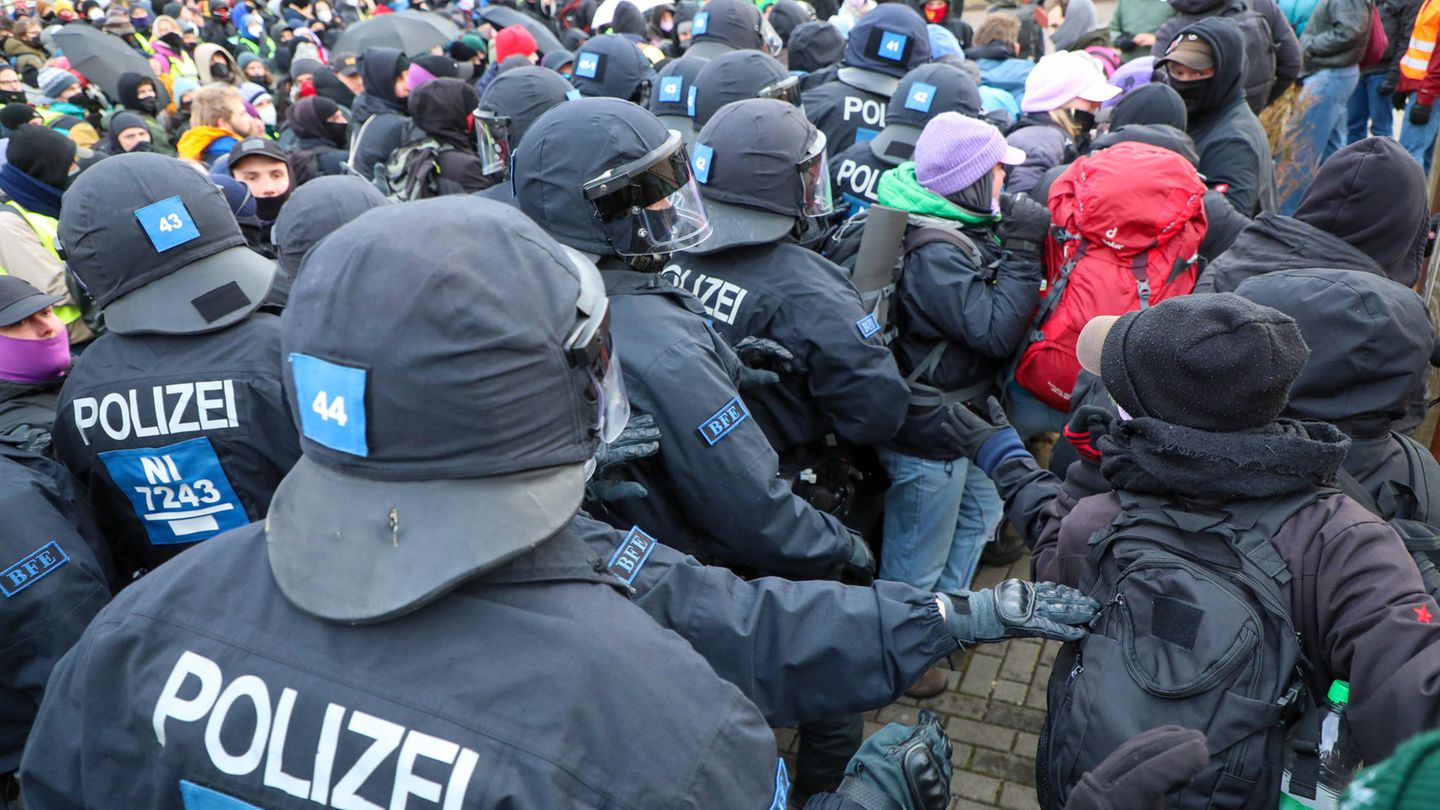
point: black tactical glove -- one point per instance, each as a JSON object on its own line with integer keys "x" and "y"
{"x": 640, "y": 439}
{"x": 762, "y": 361}
{"x": 1397, "y": 100}
{"x": 986, "y": 443}
{"x": 1419, "y": 114}
{"x": 1024, "y": 224}
{"x": 904, "y": 767}
{"x": 1018, "y": 609}
{"x": 1139, "y": 774}
{"x": 859, "y": 569}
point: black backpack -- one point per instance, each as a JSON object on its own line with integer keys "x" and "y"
{"x": 413, "y": 170}
{"x": 1195, "y": 631}
{"x": 1409, "y": 506}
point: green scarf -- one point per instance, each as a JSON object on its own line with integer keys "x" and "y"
{"x": 900, "y": 189}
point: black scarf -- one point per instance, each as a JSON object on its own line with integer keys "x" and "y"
{"x": 1152, "y": 457}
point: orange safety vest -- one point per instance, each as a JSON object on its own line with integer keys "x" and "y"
{"x": 1416, "y": 61}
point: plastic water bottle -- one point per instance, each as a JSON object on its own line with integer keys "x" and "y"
{"x": 1339, "y": 759}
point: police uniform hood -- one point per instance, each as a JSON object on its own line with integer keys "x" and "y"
{"x": 398, "y": 498}
{"x": 890, "y": 40}
{"x": 158, "y": 248}
{"x": 1366, "y": 177}
{"x": 786, "y": 16}
{"x": 922, "y": 94}
{"x": 726, "y": 25}
{"x": 1370, "y": 341}
{"x": 523, "y": 95}
{"x": 1227, "y": 48}
{"x": 1150, "y": 104}
{"x": 752, "y": 192}
{"x": 814, "y": 46}
{"x": 611, "y": 66}
{"x": 548, "y": 171}
{"x": 671, "y": 98}
{"x": 733, "y": 76}
{"x": 316, "y": 210}
{"x": 442, "y": 108}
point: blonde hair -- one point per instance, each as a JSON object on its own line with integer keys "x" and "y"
{"x": 998, "y": 27}
{"x": 211, "y": 105}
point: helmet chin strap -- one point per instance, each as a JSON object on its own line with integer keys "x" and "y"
{"x": 649, "y": 263}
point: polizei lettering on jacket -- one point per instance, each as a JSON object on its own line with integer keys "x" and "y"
{"x": 720, "y": 298}
{"x": 391, "y": 761}
{"x": 161, "y": 410}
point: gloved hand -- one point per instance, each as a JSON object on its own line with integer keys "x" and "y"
{"x": 762, "y": 361}
{"x": 1419, "y": 114}
{"x": 1018, "y": 609}
{"x": 987, "y": 443}
{"x": 859, "y": 569}
{"x": 901, "y": 766}
{"x": 1024, "y": 224}
{"x": 1125, "y": 42}
{"x": 1386, "y": 87}
{"x": 640, "y": 439}
{"x": 1139, "y": 774}
{"x": 1086, "y": 426}
{"x": 1397, "y": 100}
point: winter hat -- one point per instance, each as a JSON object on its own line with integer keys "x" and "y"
{"x": 1408, "y": 780}
{"x": 117, "y": 22}
{"x": 512, "y": 40}
{"x": 304, "y": 65}
{"x": 254, "y": 93}
{"x": 461, "y": 51}
{"x": 246, "y": 58}
{"x": 54, "y": 81}
{"x": 1218, "y": 363}
{"x": 943, "y": 43}
{"x": 955, "y": 151}
{"x": 15, "y": 115}
{"x": 1062, "y": 76}
{"x": 183, "y": 85}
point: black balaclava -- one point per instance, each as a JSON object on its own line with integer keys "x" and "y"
{"x": 1227, "y": 49}
{"x": 328, "y": 85}
{"x": 308, "y": 116}
{"x": 42, "y": 153}
{"x": 128, "y": 90}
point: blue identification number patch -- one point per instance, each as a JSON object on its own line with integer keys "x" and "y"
{"x": 31, "y": 567}
{"x": 868, "y": 325}
{"x": 626, "y": 561}
{"x": 690, "y": 102}
{"x": 719, "y": 425}
{"x": 195, "y": 797}
{"x": 167, "y": 223}
{"x": 587, "y": 65}
{"x": 921, "y": 96}
{"x": 179, "y": 492}
{"x": 331, "y": 398}
{"x": 700, "y": 23}
{"x": 670, "y": 88}
{"x": 892, "y": 46}
{"x": 701, "y": 159}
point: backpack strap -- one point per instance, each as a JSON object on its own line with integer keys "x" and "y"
{"x": 1263, "y": 517}
{"x": 924, "y": 396}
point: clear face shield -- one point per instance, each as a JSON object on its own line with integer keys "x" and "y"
{"x": 590, "y": 347}
{"x": 787, "y": 90}
{"x": 492, "y": 141}
{"x": 651, "y": 205}
{"x": 815, "y": 178}
{"x": 773, "y": 43}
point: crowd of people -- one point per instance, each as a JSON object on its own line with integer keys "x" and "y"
{"x": 535, "y": 405}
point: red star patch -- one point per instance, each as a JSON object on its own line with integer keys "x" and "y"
{"x": 1422, "y": 614}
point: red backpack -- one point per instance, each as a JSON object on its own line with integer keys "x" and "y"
{"x": 1126, "y": 224}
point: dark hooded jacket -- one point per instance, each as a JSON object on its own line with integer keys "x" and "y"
{"x": 127, "y": 95}
{"x": 1234, "y": 152}
{"x": 1260, "y": 90}
{"x": 442, "y": 109}
{"x": 328, "y": 85}
{"x": 1335, "y": 224}
{"x": 313, "y": 142}
{"x": 372, "y": 141}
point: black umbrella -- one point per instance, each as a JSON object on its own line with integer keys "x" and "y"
{"x": 412, "y": 35}
{"x": 503, "y": 17}
{"x": 441, "y": 23}
{"x": 103, "y": 58}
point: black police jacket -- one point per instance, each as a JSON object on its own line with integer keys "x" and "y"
{"x": 536, "y": 685}
{"x": 55, "y": 575}
{"x": 845, "y": 114}
{"x": 848, "y": 384}
{"x": 178, "y": 438}
{"x": 855, "y": 177}
{"x": 713, "y": 487}
{"x": 798, "y": 650}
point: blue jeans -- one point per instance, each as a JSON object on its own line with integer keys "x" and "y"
{"x": 1419, "y": 141}
{"x": 1315, "y": 131}
{"x": 938, "y": 517}
{"x": 1369, "y": 110}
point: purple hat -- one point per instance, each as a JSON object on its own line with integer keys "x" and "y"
{"x": 955, "y": 150}
{"x": 1131, "y": 75}
{"x": 1062, "y": 76}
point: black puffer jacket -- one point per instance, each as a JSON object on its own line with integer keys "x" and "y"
{"x": 1336, "y": 34}
{"x": 1260, "y": 86}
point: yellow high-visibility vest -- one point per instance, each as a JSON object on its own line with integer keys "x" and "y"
{"x": 45, "y": 229}
{"x": 1416, "y": 61}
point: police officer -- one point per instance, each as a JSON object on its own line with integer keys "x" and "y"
{"x": 673, "y": 101}
{"x": 509, "y": 105}
{"x": 55, "y": 575}
{"x": 922, "y": 94}
{"x": 611, "y": 66}
{"x": 316, "y": 210}
{"x": 607, "y": 178}
{"x": 721, "y": 26}
{"x": 401, "y": 646}
{"x": 739, "y": 75}
{"x": 174, "y": 421}
{"x": 883, "y": 46}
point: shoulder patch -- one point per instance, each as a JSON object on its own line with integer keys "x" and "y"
{"x": 626, "y": 561}
{"x": 31, "y": 567}
{"x": 868, "y": 325}
{"x": 720, "y": 423}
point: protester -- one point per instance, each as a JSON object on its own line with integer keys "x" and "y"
{"x": 34, "y": 358}
{"x": 444, "y": 109}
{"x": 383, "y": 71}
{"x": 315, "y": 135}
{"x": 264, "y": 168}
{"x": 128, "y": 133}
{"x": 138, "y": 95}
{"x": 1414, "y": 83}
{"x": 1272, "y": 52}
{"x": 1133, "y": 24}
{"x": 1369, "y": 110}
{"x": 218, "y": 121}
{"x": 1062, "y": 95}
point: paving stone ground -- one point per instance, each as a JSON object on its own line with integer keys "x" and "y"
{"x": 993, "y": 710}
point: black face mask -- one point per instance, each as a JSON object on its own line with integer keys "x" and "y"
{"x": 174, "y": 41}
{"x": 220, "y": 70}
{"x": 12, "y": 97}
{"x": 268, "y": 208}
{"x": 143, "y": 146}
{"x": 1192, "y": 93}
{"x": 148, "y": 105}
{"x": 339, "y": 133}
{"x": 978, "y": 197}
{"x": 1084, "y": 119}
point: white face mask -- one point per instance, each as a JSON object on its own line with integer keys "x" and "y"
{"x": 324, "y": 16}
{"x": 254, "y": 28}
{"x": 267, "y": 114}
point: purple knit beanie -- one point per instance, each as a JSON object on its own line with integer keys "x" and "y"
{"x": 954, "y": 151}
